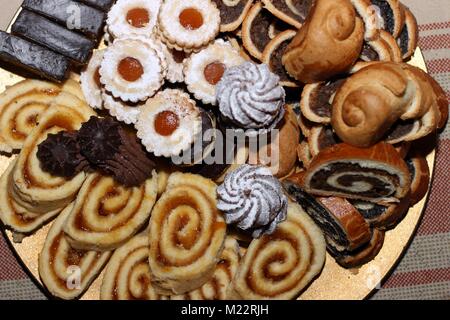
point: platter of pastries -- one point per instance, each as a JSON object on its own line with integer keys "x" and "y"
{"x": 214, "y": 149}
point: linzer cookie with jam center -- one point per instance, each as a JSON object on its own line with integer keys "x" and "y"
{"x": 169, "y": 123}
{"x": 188, "y": 25}
{"x": 90, "y": 81}
{"x": 203, "y": 70}
{"x": 232, "y": 13}
{"x": 133, "y": 17}
{"x": 293, "y": 12}
{"x": 58, "y": 258}
{"x": 133, "y": 69}
{"x": 273, "y": 54}
{"x": 259, "y": 28}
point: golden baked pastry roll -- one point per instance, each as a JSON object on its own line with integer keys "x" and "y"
{"x": 32, "y": 187}
{"x": 20, "y": 220}
{"x": 106, "y": 214}
{"x": 67, "y": 272}
{"x": 127, "y": 275}
{"x": 216, "y": 288}
{"x": 21, "y": 106}
{"x": 187, "y": 233}
{"x": 281, "y": 265}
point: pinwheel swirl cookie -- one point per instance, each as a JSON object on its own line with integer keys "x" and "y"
{"x": 232, "y": 13}
{"x": 106, "y": 214}
{"x": 188, "y": 25}
{"x": 21, "y": 106}
{"x": 293, "y": 12}
{"x": 67, "y": 272}
{"x": 187, "y": 234}
{"x": 216, "y": 288}
{"x": 281, "y": 265}
{"x": 127, "y": 275}
{"x": 203, "y": 70}
{"x": 31, "y": 186}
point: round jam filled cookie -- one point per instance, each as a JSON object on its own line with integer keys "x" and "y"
{"x": 232, "y": 13}
{"x": 133, "y": 17}
{"x": 127, "y": 112}
{"x": 188, "y": 25}
{"x": 259, "y": 28}
{"x": 133, "y": 69}
{"x": 293, "y": 12}
{"x": 175, "y": 64}
{"x": 274, "y": 52}
{"x": 205, "y": 69}
{"x": 169, "y": 123}
{"x": 90, "y": 81}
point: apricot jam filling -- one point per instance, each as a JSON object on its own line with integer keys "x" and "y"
{"x": 130, "y": 69}
{"x": 138, "y": 17}
{"x": 191, "y": 19}
{"x": 166, "y": 123}
{"x": 213, "y": 72}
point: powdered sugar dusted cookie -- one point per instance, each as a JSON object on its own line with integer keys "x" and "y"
{"x": 133, "y": 69}
{"x": 133, "y": 17}
{"x": 169, "y": 123}
{"x": 205, "y": 69}
{"x": 188, "y": 25}
{"x": 90, "y": 81}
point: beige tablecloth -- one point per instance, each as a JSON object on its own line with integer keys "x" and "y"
{"x": 424, "y": 273}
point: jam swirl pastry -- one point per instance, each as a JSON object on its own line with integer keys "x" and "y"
{"x": 169, "y": 123}
{"x": 216, "y": 288}
{"x": 281, "y": 265}
{"x": 187, "y": 234}
{"x": 31, "y": 186}
{"x": 127, "y": 275}
{"x": 90, "y": 81}
{"x": 106, "y": 214}
{"x": 133, "y": 69}
{"x": 252, "y": 199}
{"x": 22, "y": 104}
{"x": 250, "y": 97}
{"x": 188, "y": 25}
{"x": 133, "y": 17}
{"x": 204, "y": 70}
{"x": 57, "y": 258}
{"x": 377, "y": 174}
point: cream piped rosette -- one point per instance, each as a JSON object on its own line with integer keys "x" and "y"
{"x": 216, "y": 288}
{"x": 132, "y": 17}
{"x": 22, "y": 104}
{"x": 188, "y": 25}
{"x": 67, "y": 272}
{"x": 133, "y": 68}
{"x": 187, "y": 234}
{"x": 203, "y": 70}
{"x": 15, "y": 217}
{"x": 32, "y": 187}
{"x": 281, "y": 265}
{"x": 127, "y": 275}
{"x": 106, "y": 214}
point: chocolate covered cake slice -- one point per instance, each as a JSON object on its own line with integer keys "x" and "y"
{"x": 103, "y": 5}
{"x": 41, "y": 30}
{"x": 34, "y": 58}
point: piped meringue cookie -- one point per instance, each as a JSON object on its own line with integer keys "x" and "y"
{"x": 90, "y": 81}
{"x": 169, "y": 123}
{"x": 133, "y": 69}
{"x": 188, "y": 25}
{"x": 251, "y": 98}
{"x": 203, "y": 70}
{"x": 133, "y": 17}
{"x": 252, "y": 199}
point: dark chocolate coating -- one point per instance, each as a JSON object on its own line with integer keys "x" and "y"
{"x": 34, "y": 58}
{"x": 103, "y": 5}
{"x": 67, "y": 12}
{"x": 43, "y": 31}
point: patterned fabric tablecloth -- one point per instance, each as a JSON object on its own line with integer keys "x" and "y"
{"x": 424, "y": 272}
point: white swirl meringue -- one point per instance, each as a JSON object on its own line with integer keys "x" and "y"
{"x": 251, "y": 97}
{"x": 253, "y": 199}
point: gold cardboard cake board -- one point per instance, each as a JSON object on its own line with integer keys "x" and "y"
{"x": 334, "y": 282}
